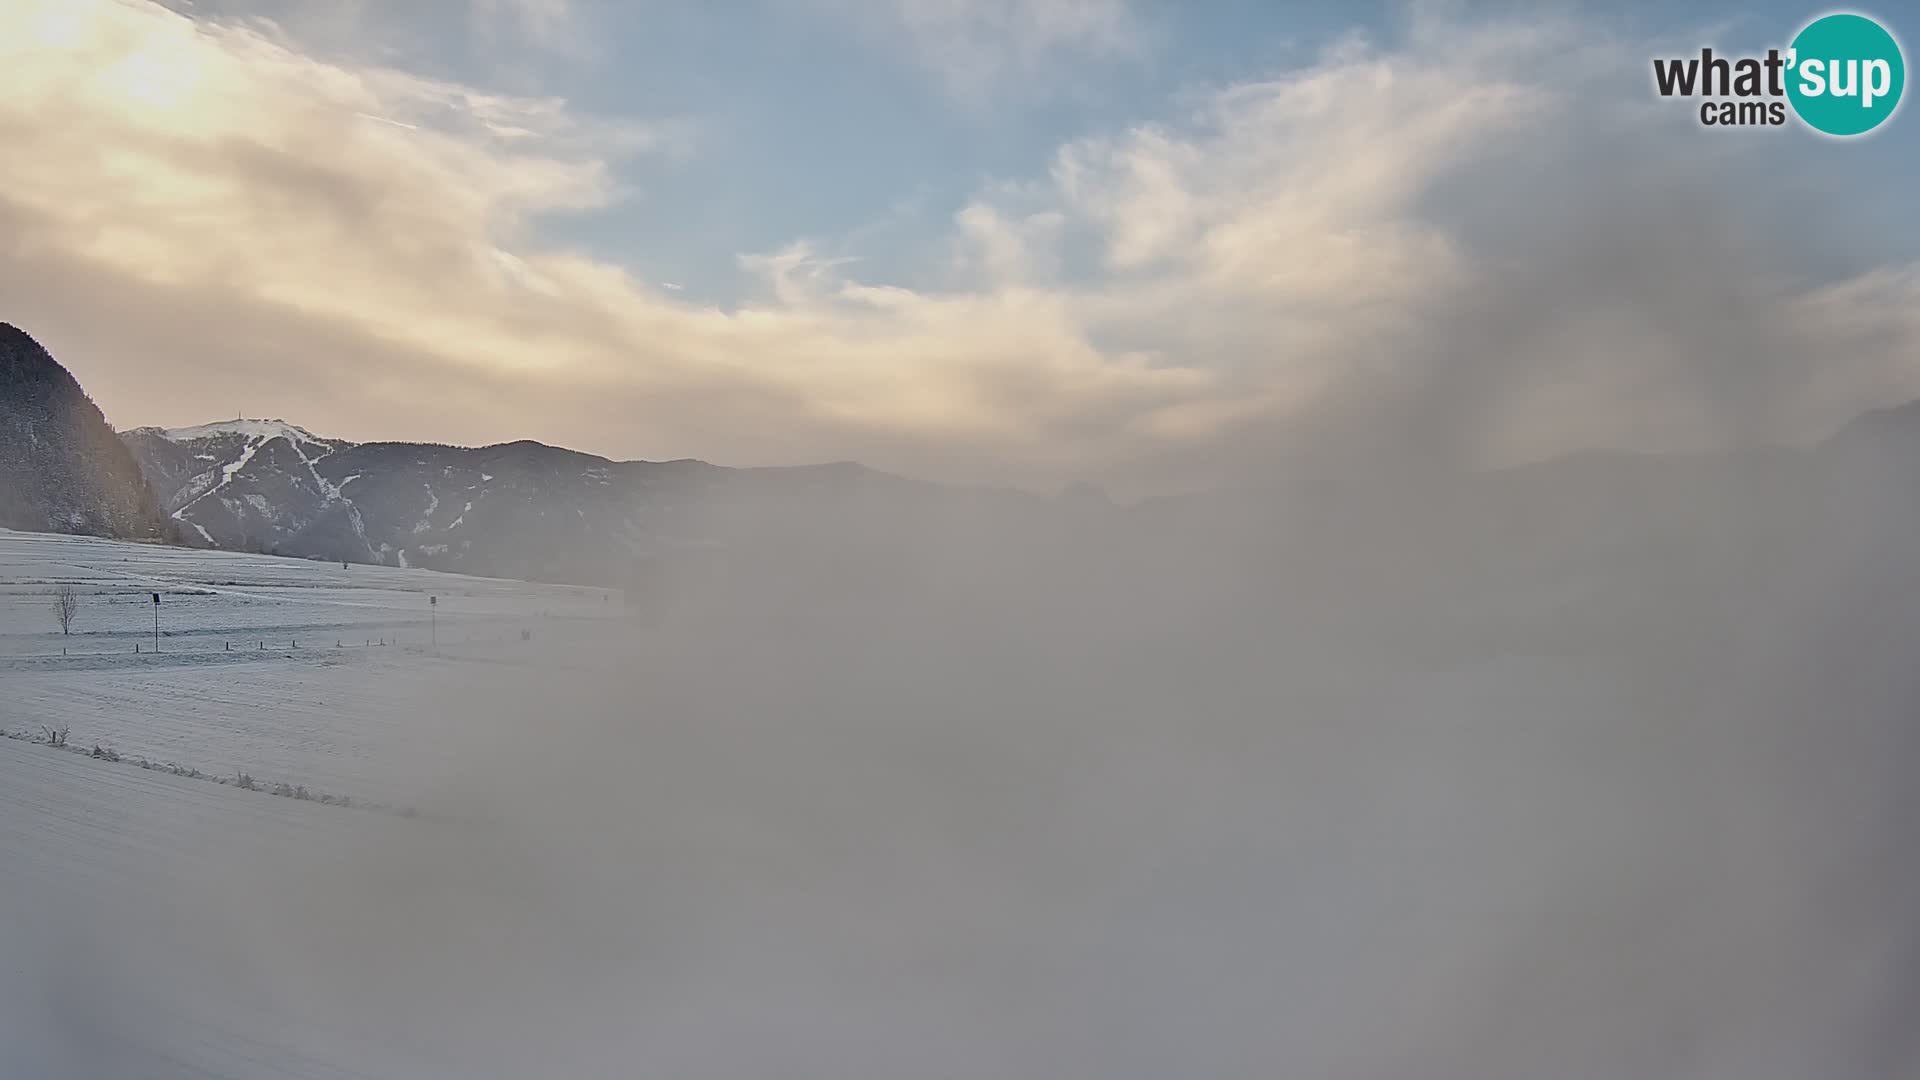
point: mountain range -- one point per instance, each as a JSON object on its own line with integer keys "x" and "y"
{"x": 1613, "y": 524}
{"x": 519, "y": 509}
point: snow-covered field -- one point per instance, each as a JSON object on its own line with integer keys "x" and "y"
{"x": 742, "y": 845}
{"x": 286, "y": 670}
{"x": 153, "y": 915}
{"x": 212, "y": 599}
{"x": 116, "y": 881}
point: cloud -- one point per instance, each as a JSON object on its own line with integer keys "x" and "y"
{"x": 978, "y": 47}
{"x": 200, "y": 218}
{"x": 552, "y": 25}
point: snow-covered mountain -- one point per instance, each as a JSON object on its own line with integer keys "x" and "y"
{"x": 520, "y": 509}
{"x": 536, "y": 512}
{"x": 207, "y": 479}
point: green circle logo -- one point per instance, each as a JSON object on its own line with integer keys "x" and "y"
{"x": 1846, "y": 74}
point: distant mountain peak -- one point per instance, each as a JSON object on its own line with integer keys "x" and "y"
{"x": 251, "y": 429}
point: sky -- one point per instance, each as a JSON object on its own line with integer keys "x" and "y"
{"x": 1008, "y": 242}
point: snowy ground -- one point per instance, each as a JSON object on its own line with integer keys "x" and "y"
{"x": 154, "y": 921}
{"x": 213, "y": 599}
{"x": 99, "y": 911}
{"x": 743, "y": 845}
{"x": 286, "y": 670}
{"x": 777, "y": 850}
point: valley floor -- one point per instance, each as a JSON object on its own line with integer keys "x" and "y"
{"x": 146, "y": 908}
{"x": 285, "y": 670}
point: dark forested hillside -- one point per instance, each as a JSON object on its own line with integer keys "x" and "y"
{"x": 62, "y": 468}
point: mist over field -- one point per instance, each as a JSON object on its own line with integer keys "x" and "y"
{"x": 1506, "y": 671}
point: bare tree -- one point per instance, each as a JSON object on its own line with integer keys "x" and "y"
{"x": 65, "y": 603}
